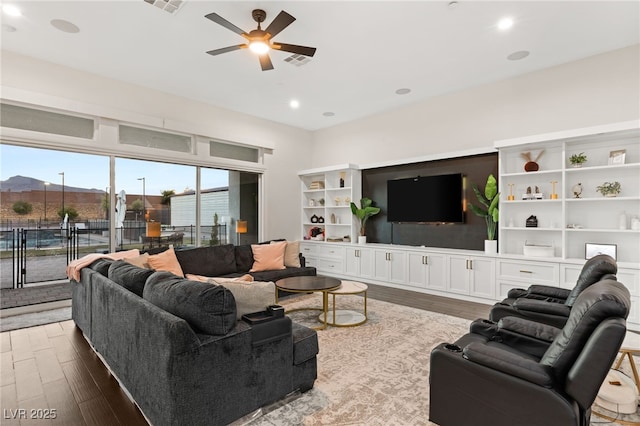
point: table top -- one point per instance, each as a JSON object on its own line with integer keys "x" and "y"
{"x": 308, "y": 283}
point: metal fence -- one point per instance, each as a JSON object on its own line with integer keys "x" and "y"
{"x": 40, "y": 252}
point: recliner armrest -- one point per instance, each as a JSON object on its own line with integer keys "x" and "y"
{"x": 527, "y": 336}
{"x": 508, "y": 363}
{"x": 558, "y": 293}
{"x": 542, "y": 307}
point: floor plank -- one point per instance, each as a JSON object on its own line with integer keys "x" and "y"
{"x": 9, "y": 405}
{"x": 48, "y": 365}
{"x": 80, "y": 381}
{"x": 97, "y": 412}
{"x": 60, "y": 398}
{"x": 28, "y": 384}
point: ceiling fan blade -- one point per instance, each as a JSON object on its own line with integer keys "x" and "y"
{"x": 226, "y": 49}
{"x": 228, "y": 25}
{"x": 265, "y": 62}
{"x": 294, "y": 48}
{"x": 282, "y": 21}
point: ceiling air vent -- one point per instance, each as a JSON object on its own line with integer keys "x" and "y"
{"x": 298, "y": 60}
{"x": 170, "y": 6}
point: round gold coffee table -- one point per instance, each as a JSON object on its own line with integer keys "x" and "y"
{"x": 348, "y": 318}
{"x": 310, "y": 284}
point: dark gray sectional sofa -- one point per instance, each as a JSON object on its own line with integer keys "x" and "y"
{"x": 232, "y": 261}
{"x": 178, "y": 349}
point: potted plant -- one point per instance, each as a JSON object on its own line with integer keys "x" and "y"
{"x": 576, "y": 160}
{"x": 489, "y": 199}
{"x": 363, "y": 214}
{"x": 609, "y": 189}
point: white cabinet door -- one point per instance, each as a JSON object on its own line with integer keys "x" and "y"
{"x": 482, "y": 276}
{"x": 436, "y": 271}
{"x": 417, "y": 269}
{"x": 358, "y": 262}
{"x": 473, "y": 276}
{"x": 458, "y": 274}
{"x": 427, "y": 270}
{"x": 390, "y": 265}
{"x": 352, "y": 262}
{"x": 365, "y": 256}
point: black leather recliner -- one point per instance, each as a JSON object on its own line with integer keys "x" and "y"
{"x": 551, "y": 305}
{"x": 519, "y": 372}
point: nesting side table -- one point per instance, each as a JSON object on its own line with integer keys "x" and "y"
{"x": 348, "y": 318}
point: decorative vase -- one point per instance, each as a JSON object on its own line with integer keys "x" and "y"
{"x": 490, "y": 246}
{"x": 362, "y": 239}
{"x": 531, "y": 166}
{"x": 576, "y": 165}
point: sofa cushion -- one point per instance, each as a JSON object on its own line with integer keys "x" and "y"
{"x": 208, "y": 261}
{"x": 268, "y": 257}
{"x": 166, "y": 261}
{"x": 283, "y": 273}
{"x": 101, "y": 266}
{"x": 207, "y": 308}
{"x": 251, "y": 296}
{"x": 244, "y": 258}
{"x": 291, "y": 254}
{"x": 129, "y": 276}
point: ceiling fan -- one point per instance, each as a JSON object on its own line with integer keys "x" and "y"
{"x": 259, "y": 40}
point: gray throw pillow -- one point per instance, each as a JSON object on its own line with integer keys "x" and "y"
{"x": 208, "y": 308}
{"x": 129, "y": 276}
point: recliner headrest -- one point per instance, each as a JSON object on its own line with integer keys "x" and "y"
{"x": 594, "y": 270}
{"x": 602, "y": 300}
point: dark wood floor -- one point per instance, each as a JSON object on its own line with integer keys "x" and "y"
{"x": 51, "y": 371}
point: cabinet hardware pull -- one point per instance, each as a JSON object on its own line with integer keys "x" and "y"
{"x": 526, "y": 272}
{"x": 470, "y": 264}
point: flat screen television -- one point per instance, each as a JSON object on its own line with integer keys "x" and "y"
{"x": 427, "y": 199}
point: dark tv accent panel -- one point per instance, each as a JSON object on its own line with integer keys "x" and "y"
{"x": 467, "y": 235}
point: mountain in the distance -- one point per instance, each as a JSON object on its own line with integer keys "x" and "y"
{"x": 23, "y": 184}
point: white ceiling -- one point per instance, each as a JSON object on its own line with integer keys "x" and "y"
{"x": 366, "y": 49}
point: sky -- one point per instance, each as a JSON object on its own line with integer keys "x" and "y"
{"x": 92, "y": 171}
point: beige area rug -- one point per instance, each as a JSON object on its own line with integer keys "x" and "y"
{"x": 373, "y": 374}
{"x": 376, "y": 373}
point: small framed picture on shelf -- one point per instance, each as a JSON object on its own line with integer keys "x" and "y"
{"x": 617, "y": 157}
{"x": 594, "y": 249}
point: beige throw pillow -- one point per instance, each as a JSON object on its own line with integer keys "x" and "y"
{"x": 141, "y": 261}
{"x": 166, "y": 261}
{"x": 291, "y": 253}
{"x": 268, "y": 257}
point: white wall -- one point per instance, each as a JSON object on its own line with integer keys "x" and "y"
{"x": 597, "y": 90}
{"x": 291, "y": 145}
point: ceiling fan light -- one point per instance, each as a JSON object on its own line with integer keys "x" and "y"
{"x": 259, "y": 47}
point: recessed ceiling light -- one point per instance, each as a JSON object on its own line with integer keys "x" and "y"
{"x": 505, "y": 23}
{"x": 403, "y": 91}
{"x": 328, "y": 114}
{"x": 65, "y": 26}
{"x": 11, "y": 10}
{"x": 294, "y": 104}
{"x": 516, "y": 56}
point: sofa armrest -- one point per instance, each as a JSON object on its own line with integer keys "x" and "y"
{"x": 268, "y": 326}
